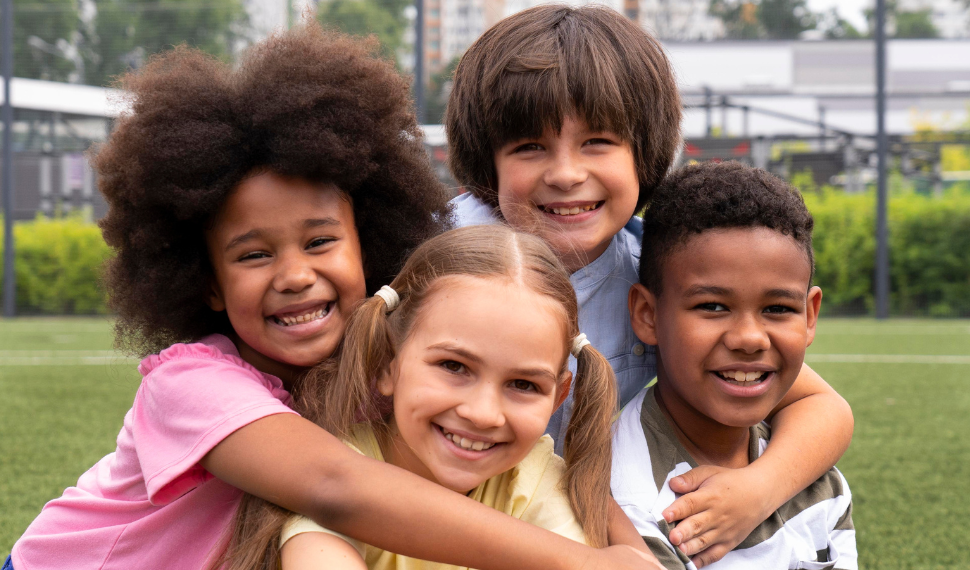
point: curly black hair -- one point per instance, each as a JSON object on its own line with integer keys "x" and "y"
{"x": 712, "y": 195}
{"x": 307, "y": 103}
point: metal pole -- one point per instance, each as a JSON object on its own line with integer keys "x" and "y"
{"x": 9, "y": 276}
{"x": 724, "y": 116}
{"x": 419, "y": 60}
{"x": 882, "y": 229}
{"x": 821, "y": 128}
{"x": 707, "y": 110}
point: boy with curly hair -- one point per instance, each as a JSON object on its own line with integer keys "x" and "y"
{"x": 726, "y": 296}
{"x": 561, "y": 122}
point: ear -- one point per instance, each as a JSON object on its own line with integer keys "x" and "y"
{"x": 564, "y": 385}
{"x": 811, "y": 311}
{"x": 643, "y": 313}
{"x": 215, "y": 299}
{"x": 385, "y": 384}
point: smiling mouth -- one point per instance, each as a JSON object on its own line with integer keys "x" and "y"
{"x": 465, "y": 443}
{"x": 291, "y": 319}
{"x": 740, "y": 378}
{"x": 570, "y": 211}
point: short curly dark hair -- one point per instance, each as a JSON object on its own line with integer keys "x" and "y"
{"x": 307, "y": 103}
{"x": 712, "y": 195}
{"x": 534, "y": 68}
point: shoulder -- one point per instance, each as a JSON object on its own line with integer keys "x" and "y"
{"x": 537, "y": 494}
{"x": 205, "y": 375}
{"x": 468, "y": 210}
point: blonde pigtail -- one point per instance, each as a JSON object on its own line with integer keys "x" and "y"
{"x": 367, "y": 351}
{"x": 588, "y": 444}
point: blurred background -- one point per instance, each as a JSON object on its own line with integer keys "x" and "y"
{"x": 787, "y": 85}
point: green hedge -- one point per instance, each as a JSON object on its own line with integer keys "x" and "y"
{"x": 59, "y": 261}
{"x": 58, "y": 265}
{"x": 929, "y": 251}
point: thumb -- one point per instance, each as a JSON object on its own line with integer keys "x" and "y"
{"x": 693, "y": 479}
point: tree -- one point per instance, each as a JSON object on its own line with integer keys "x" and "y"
{"x": 125, "y": 33}
{"x": 382, "y": 18}
{"x": 41, "y": 34}
{"x": 837, "y": 28}
{"x": 93, "y": 41}
{"x": 915, "y": 25}
{"x": 763, "y": 19}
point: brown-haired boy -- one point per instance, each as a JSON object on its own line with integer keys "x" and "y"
{"x": 561, "y": 122}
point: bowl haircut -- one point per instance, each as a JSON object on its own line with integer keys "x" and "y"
{"x": 533, "y": 69}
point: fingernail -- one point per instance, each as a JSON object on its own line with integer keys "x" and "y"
{"x": 669, "y": 516}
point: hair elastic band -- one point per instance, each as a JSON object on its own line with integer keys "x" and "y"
{"x": 578, "y": 344}
{"x": 390, "y": 296}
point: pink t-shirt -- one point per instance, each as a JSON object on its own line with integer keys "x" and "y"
{"x": 150, "y": 504}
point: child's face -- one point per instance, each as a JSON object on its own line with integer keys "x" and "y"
{"x": 731, "y": 324}
{"x": 288, "y": 270}
{"x": 475, "y": 382}
{"x": 576, "y": 189}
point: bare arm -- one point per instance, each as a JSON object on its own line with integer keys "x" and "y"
{"x": 316, "y": 550}
{"x": 295, "y": 464}
{"x": 811, "y": 429}
{"x": 622, "y": 531}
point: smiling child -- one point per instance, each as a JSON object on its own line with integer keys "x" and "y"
{"x": 726, "y": 296}
{"x": 469, "y": 345}
{"x": 562, "y": 122}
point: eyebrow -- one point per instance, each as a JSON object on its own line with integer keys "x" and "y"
{"x": 697, "y": 290}
{"x": 307, "y": 224}
{"x": 462, "y": 352}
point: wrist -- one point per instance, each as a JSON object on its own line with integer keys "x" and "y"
{"x": 773, "y": 495}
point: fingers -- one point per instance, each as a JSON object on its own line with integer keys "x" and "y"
{"x": 689, "y": 528}
{"x": 710, "y": 556}
{"x": 693, "y": 479}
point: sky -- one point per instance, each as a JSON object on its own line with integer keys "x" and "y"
{"x": 850, "y": 10}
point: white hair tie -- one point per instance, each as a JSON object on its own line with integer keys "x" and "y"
{"x": 390, "y": 296}
{"x": 579, "y": 343}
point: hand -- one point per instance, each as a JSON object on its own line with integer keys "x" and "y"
{"x": 621, "y": 557}
{"x": 719, "y": 509}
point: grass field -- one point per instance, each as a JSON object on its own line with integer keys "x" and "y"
{"x": 64, "y": 395}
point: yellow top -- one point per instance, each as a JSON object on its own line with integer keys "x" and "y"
{"x": 530, "y": 491}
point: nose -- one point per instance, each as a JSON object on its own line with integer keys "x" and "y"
{"x": 566, "y": 170}
{"x": 294, "y": 274}
{"x": 748, "y": 335}
{"x": 483, "y": 407}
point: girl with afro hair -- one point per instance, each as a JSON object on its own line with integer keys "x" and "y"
{"x": 251, "y": 209}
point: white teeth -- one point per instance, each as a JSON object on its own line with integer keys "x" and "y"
{"x": 465, "y": 443}
{"x": 570, "y": 211}
{"x": 319, "y": 313}
{"x": 740, "y": 376}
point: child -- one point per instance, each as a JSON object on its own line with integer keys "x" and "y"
{"x": 562, "y": 121}
{"x": 251, "y": 209}
{"x": 470, "y": 344}
{"x": 725, "y": 294}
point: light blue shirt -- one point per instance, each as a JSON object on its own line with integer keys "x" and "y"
{"x": 601, "y": 288}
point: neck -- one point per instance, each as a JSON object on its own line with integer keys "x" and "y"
{"x": 706, "y": 440}
{"x": 285, "y": 372}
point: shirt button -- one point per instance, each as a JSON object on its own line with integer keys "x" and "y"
{"x": 638, "y": 349}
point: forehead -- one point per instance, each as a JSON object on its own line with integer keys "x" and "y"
{"x": 262, "y": 198}
{"x": 749, "y": 257}
{"x": 500, "y": 317}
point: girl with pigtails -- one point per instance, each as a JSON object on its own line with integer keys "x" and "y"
{"x": 452, "y": 373}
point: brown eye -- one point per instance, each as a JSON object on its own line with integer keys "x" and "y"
{"x": 452, "y": 366}
{"x": 524, "y": 386}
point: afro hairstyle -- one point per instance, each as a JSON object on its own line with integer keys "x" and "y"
{"x": 304, "y": 103}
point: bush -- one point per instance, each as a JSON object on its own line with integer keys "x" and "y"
{"x": 929, "y": 251}
{"x": 59, "y": 261}
{"x": 58, "y": 265}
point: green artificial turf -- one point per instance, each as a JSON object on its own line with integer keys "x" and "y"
{"x": 908, "y": 467}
